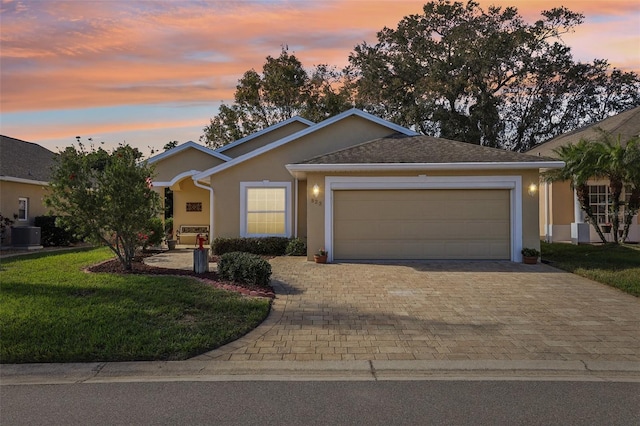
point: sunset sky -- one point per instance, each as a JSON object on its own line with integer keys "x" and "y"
{"x": 147, "y": 72}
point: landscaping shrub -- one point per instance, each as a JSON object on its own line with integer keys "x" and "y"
{"x": 266, "y": 246}
{"x": 296, "y": 247}
{"x": 52, "y": 235}
{"x": 154, "y": 233}
{"x": 5, "y": 224}
{"x": 245, "y": 268}
{"x": 168, "y": 227}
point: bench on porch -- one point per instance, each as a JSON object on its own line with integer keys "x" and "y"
{"x": 192, "y": 231}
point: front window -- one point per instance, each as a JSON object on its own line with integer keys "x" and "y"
{"x": 23, "y": 209}
{"x": 265, "y": 210}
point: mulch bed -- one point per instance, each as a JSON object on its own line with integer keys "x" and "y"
{"x": 114, "y": 266}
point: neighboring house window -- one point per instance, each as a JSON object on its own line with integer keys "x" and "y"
{"x": 600, "y": 200}
{"x": 265, "y": 208}
{"x": 23, "y": 209}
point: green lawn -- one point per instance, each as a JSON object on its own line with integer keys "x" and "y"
{"x": 615, "y": 265}
{"x": 51, "y": 311}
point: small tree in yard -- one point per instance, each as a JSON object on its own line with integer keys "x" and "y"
{"x": 106, "y": 196}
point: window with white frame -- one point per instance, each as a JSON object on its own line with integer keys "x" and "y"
{"x": 265, "y": 208}
{"x": 23, "y": 209}
{"x": 601, "y": 201}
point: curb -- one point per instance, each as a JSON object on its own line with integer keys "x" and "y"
{"x": 170, "y": 371}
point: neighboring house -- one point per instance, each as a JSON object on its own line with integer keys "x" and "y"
{"x": 361, "y": 188}
{"x": 561, "y": 218}
{"x": 25, "y": 170}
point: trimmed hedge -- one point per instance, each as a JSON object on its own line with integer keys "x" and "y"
{"x": 244, "y": 268}
{"x": 296, "y": 247}
{"x": 266, "y": 246}
{"x": 52, "y": 235}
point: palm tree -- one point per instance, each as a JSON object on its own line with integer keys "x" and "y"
{"x": 610, "y": 165}
{"x": 604, "y": 158}
{"x": 631, "y": 162}
{"x": 581, "y": 162}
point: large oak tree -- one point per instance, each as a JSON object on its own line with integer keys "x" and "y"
{"x": 486, "y": 76}
{"x": 456, "y": 70}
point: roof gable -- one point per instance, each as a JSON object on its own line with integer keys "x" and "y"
{"x": 25, "y": 160}
{"x": 253, "y": 136}
{"x": 187, "y": 145}
{"x": 302, "y": 133}
{"x": 626, "y": 124}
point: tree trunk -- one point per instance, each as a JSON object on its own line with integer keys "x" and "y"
{"x": 615, "y": 187}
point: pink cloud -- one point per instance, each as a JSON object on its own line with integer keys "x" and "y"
{"x": 70, "y": 54}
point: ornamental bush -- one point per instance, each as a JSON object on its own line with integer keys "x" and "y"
{"x": 53, "y": 235}
{"x": 244, "y": 268}
{"x": 265, "y": 246}
{"x": 296, "y": 247}
{"x": 154, "y": 233}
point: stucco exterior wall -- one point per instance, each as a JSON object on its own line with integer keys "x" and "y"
{"x": 185, "y": 193}
{"x": 562, "y": 202}
{"x": 189, "y": 159}
{"x": 265, "y": 139}
{"x": 302, "y": 210}
{"x": 10, "y": 192}
{"x": 271, "y": 166}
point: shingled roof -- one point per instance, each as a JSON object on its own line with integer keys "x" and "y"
{"x": 626, "y": 125}
{"x": 399, "y": 149}
{"x": 24, "y": 160}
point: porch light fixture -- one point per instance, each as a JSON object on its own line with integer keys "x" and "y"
{"x": 533, "y": 188}
{"x": 316, "y": 190}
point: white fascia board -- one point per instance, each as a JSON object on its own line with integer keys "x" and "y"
{"x": 298, "y": 170}
{"x": 265, "y": 131}
{"x": 304, "y": 132}
{"x": 176, "y": 179}
{"x": 187, "y": 145}
{"x": 21, "y": 180}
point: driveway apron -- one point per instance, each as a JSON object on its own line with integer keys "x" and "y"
{"x": 439, "y": 310}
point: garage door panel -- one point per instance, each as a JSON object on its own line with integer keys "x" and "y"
{"x": 422, "y": 224}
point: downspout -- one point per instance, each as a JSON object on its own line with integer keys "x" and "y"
{"x": 210, "y": 189}
{"x": 295, "y": 209}
{"x": 547, "y": 236}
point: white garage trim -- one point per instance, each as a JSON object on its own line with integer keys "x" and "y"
{"x": 513, "y": 183}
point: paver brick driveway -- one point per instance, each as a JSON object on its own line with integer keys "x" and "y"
{"x": 439, "y": 310}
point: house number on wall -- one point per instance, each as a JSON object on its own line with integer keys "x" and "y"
{"x": 318, "y": 202}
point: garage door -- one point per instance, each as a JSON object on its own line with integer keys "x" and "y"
{"x": 421, "y": 224}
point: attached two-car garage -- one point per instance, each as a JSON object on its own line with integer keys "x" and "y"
{"x": 422, "y": 224}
